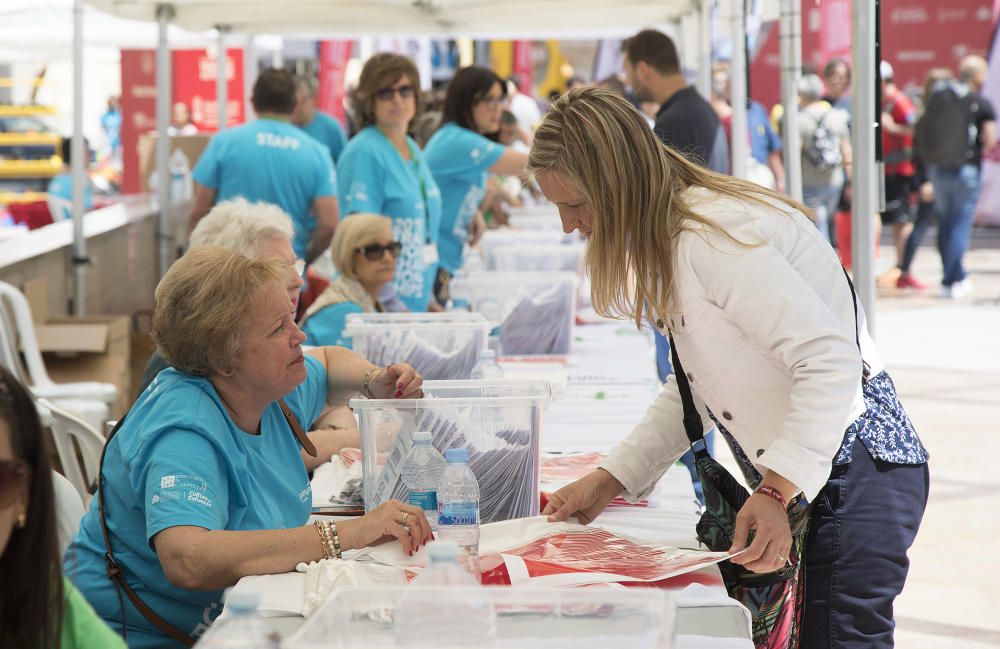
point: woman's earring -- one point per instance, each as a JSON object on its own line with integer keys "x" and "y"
{"x": 22, "y": 520}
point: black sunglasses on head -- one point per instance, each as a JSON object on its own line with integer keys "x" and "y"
{"x": 375, "y": 251}
{"x": 386, "y": 94}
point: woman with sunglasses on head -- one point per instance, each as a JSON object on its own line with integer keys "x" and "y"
{"x": 382, "y": 171}
{"x": 38, "y": 607}
{"x": 364, "y": 253}
{"x": 461, "y": 153}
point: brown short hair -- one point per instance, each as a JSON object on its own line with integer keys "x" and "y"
{"x": 381, "y": 71}
{"x": 655, "y": 48}
{"x": 204, "y": 304}
{"x": 356, "y": 231}
{"x": 274, "y": 92}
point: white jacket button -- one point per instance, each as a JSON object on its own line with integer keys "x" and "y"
{"x": 659, "y": 323}
{"x": 727, "y": 415}
{"x": 690, "y": 377}
{"x": 760, "y": 452}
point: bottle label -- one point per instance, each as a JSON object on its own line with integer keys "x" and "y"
{"x": 425, "y": 500}
{"x": 461, "y": 513}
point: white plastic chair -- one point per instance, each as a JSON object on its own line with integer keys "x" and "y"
{"x": 69, "y": 510}
{"x": 71, "y": 433}
{"x": 17, "y": 326}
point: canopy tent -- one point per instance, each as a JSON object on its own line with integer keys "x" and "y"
{"x": 528, "y": 18}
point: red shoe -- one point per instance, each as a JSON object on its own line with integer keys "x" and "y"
{"x": 907, "y": 280}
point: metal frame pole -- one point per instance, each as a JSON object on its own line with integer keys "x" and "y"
{"x": 221, "y": 76}
{"x": 79, "y": 166}
{"x": 165, "y": 231}
{"x": 864, "y": 169}
{"x": 705, "y": 48}
{"x": 738, "y": 91}
{"x": 791, "y": 70}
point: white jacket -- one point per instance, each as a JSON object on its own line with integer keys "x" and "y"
{"x": 766, "y": 335}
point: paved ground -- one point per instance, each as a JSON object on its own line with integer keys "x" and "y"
{"x": 944, "y": 357}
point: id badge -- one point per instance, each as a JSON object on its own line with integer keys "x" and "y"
{"x": 430, "y": 254}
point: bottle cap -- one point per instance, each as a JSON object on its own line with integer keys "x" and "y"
{"x": 456, "y": 455}
{"x": 422, "y": 436}
{"x": 487, "y": 353}
{"x": 238, "y": 601}
{"x": 442, "y": 551}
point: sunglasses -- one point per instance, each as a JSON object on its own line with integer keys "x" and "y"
{"x": 386, "y": 94}
{"x": 375, "y": 251}
{"x": 13, "y": 474}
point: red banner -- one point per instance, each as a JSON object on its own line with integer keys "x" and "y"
{"x": 522, "y": 66}
{"x": 333, "y": 58}
{"x": 138, "y": 111}
{"x": 194, "y": 73}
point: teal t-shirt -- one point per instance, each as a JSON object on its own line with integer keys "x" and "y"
{"x": 61, "y": 186}
{"x": 375, "y": 178}
{"x": 179, "y": 459}
{"x": 459, "y": 158}
{"x": 326, "y": 326}
{"x": 272, "y": 161}
{"x": 327, "y": 131}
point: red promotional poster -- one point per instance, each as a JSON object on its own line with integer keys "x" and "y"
{"x": 333, "y": 58}
{"x": 522, "y": 65}
{"x": 194, "y": 73}
{"x": 138, "y": 68}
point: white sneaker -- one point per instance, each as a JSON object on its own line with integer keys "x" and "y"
{"x": 947, "y": 292}
{"x": 962, "y": 289}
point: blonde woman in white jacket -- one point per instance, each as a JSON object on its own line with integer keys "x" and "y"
{"x": 765, "y": 325}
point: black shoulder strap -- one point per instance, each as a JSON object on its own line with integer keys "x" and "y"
{"x": 116, "y": 570}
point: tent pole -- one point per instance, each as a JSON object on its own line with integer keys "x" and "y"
{"x": 738, "y": 91}
{"x": 78, "y": 155}
{"x": 705, "y": 49}
{"x": 221, "y": 76}
{"x": 249, "y": 73}
{"x": 165, "y": 236}
{"x": 791, "y": 69}
{"x": 864, "y": 191}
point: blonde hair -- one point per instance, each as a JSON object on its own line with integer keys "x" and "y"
{"x": 204, "y": 305}
{"x": 356, "y": 231}
{"x": 241, "y": 226}
{"x": 632, "y": 185}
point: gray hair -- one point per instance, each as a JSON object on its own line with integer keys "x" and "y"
{"x": 241, "y": 226}
{"x": 810, "y": 88}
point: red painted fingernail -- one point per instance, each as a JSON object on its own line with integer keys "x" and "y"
{"x": 399, "y": 393}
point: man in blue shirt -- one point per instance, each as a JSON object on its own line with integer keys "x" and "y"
{"x": 321, "y": 127}
{"x": 270, "y": 160}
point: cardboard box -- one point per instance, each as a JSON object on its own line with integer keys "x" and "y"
{"x": 191, "y": 145}
{"x": 90, "y": 348}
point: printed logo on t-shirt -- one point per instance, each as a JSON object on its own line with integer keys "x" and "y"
{"x": 274, "y": 141}
{"x": 167, "y": 482}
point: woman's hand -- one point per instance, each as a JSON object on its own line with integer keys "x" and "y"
{"x": 772, "y": 537}
{"x": 391, "y": 519}
{"x": 585, "y": 498}
{"x": 399, "y": 381}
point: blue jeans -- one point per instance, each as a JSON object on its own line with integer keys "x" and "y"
{"x": 663, "y": 370}
{"x": 956, "y": 192}
{"x": 823, "y": 201}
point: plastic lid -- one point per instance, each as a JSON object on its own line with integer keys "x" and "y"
{"x": 487, "y": 353}
{"x": 422, "y": 436}
{"x": 456, "y": 455}
{"x": 442, "y": 551}
{"x": 238, "y": 601}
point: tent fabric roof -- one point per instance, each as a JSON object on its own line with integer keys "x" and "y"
{"x": 430, "y": 17}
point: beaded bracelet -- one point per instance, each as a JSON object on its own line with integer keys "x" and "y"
{"x": 771, "y": 492}
{"x": 336, "y": 539}
{"x": 366, "y": 382}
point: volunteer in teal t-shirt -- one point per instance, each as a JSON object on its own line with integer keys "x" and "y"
{"x": 321, "y": 127}
{"x": 384, "y": 172}
{"x": 463, "y": 151}
{"x": 272, "y": 161}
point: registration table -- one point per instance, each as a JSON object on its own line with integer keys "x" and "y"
{"x": 600, "y": 391}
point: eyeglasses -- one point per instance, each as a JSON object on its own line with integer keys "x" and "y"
{"x": 13, "y": 473}
{"x": 492, "y": 102}
{"x": 375, "y": 251}
{"x": 386, "y": 94}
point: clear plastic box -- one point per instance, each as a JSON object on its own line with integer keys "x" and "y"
{"x": 493, "y": 239}
{"x": 498, "y": 421}
{"x": 441, "y": 346}
{"x": 526, "y": 618}
{"x": 567, "y": 257}
{"x": 536, "y": 311}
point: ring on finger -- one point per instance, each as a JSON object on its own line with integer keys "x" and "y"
{"x": 403, "y": 518}
{"x": 781, "y": 558}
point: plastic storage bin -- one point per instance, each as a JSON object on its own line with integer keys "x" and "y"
{"x": 541, "y": 618}
{"x": 567, "y": 257}
{"x": 493, "y": 239}
{"x": 441, "y": 346}
{"x": 499, "y": 422}
{"x": 536, "y": 311}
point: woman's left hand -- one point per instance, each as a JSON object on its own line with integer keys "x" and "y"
{"x": 772, "y": 536}
{"x": 398, "y": 381}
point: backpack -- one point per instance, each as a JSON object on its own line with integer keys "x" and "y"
{"x": 942, "y": 135}
{"x": 823, "y": 149}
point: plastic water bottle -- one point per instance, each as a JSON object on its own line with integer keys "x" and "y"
{"x": 458, "y": 509}
{"x": 422, "y": 469}
{"x": 464, "y": 619}
{"x": 487, "y": 368}
{"x": 181, "y": 186}
{"x": 241, "y": 627}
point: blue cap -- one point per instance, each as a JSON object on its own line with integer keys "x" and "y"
{"x": 456, "y": 455}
